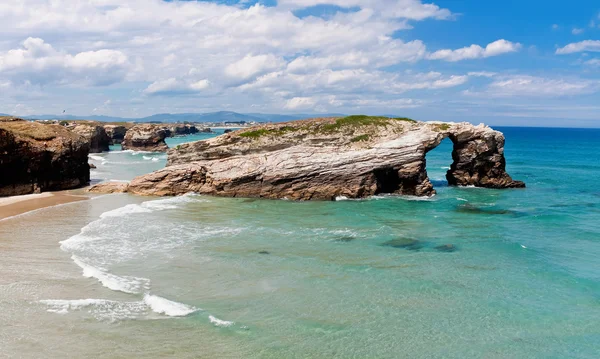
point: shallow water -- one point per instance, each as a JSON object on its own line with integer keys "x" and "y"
{"x": 470, "y": 273}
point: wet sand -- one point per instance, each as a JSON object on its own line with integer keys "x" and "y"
{"x": 16, "y": 205}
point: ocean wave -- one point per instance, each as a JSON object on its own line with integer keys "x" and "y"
{"x": 220, "y": 323}
{"x": 167, "y": 307}
{"x": 126, "y": 284}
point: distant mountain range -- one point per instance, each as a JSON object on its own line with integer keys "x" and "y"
{"x": 221, "y": 116}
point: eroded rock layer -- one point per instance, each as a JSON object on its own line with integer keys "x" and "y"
{"x": 146, "y": 137}
{"x": 36, "y": 157}
{"x": 354, "y": 157}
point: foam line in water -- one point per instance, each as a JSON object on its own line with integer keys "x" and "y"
{"x": 220, "y": 323}
{"x": 97, "y": 158}
{"x": 101, "y": 309}
{"x": 167, "y": 307}
{"x": 125, "y": 284}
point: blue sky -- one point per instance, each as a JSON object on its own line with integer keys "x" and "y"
{"x": 522, "y": 63}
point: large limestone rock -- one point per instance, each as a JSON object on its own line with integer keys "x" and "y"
{"x": 146, "y": 137}
{"x": 116, "y": 133}
{"x": 354, "y": 157}
{"x": 35, "y": 157}
{"x": 94, "y": 134}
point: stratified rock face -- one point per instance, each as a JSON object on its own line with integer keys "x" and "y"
{"x": 35, "y": 158}
{"x": 146, "y": 137}
{"x": 116, "y": 133}
{"x": 354, "y": 157}
{"x": 94, "y": 134}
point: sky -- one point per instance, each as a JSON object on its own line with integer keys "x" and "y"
{"x": 526, "y": 63}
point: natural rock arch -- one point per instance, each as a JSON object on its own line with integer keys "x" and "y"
{"x": 327, "y": 158}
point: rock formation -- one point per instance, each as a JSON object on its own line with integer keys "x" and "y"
{"x": 146, "y": 137}
{"x": 182, "y": 130}
{"x": 116, "y": 133}
{"x": 35, "y": 157}
{"x": 353, "y": 157}
{"x": 94, "y": 134}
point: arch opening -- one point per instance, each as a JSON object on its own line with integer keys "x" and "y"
{"x": 438, "y": 162}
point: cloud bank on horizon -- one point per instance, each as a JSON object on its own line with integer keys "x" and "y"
{"x": 408, "y": 57}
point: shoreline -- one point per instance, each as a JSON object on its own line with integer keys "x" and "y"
{"x": 17, "y": 205}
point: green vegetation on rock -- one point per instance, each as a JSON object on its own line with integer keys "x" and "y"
{"x": 360, "y": 138}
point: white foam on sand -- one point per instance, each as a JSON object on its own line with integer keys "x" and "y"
{"x": 125, "y": 284}
{"x": 96, "y": 158}
{"x": 101, "y": 309}
{"x": 167, "y": 307}
{"x": 220, "y": 323}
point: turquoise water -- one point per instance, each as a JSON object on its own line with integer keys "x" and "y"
{"x": 470, "y": 273}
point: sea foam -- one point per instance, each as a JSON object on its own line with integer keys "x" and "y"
{"x": 220, "y": 323}
{"x": 167, "y": 307}
{"x": 125, "y": 284}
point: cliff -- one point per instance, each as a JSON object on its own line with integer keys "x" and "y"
{"x": 146, "y": 137}
{"x": 94, "y": 133}
{"x": 36, "y": 157}
{"x": 116, "y": 133}
{"x": 355, "y": 157}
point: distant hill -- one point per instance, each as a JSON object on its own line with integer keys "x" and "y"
{"x": 220, "y": 116}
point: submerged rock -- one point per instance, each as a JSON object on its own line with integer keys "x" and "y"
{"x": 446, "y": 248}
{"x": 146, "y": 137}
{"x": 353, "y": 157}
{"x": 469, "y": 208}
{"x": 37, "y": 157}
{"x": 405, "y": 243}
{"x": 264, "y": 252}
{"x": 345, "y": 239}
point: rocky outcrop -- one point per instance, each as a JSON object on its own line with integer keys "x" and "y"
{"x": 116, "y": 133}
{"x": 109, "y": 187}
{"x": 353, "y": 157}
{"x": 94, "y": 134}
{"x": 36, "y": 157}
{"x": 146, "y": 137}
{"x": 182, "y": 130}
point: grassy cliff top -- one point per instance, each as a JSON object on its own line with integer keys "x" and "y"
{"x": 34, "y": 130}
{"x": 325, "y": 126}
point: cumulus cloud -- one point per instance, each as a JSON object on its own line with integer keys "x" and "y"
{"x": 582, "y": 46}
{"x": 495, "y": 48}
{"x": 38, "y": 62}
{"x": 251, "y": 66}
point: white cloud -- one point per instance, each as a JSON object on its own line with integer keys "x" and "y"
{"x": 593, "y": 62}
{"x": 495, "y": 48}
{"x": 300, "y": 103}
{"x": 251, "y": 66}
{"x": 577, "y": 31}
{"x": 39, "y": 62}
{"x": 482, "y": 74}
{"x": 532, "y": 86}
{"x": 405, "y": 9}
{"x": 555, "y": 27}
{"x": 175, "y": 86}
{"x": 582, "y": 46}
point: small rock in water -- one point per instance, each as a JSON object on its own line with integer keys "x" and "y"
{"x": 345, "y": 239}
{"x": 469, "y": 208}
{"x": 264, "y": 252}
{"x": 92, "y": 165}
{"x": 446, "y": 248}
{"x": 406, "y": 243}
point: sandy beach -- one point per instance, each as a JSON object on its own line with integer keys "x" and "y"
{"x": 15, "y": 205}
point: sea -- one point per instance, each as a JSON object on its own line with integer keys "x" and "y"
{"x": 468, "y": 273}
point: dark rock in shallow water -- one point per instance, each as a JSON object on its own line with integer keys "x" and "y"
{"x": 446, "y": 248}
{"x": 469, "y": 208}
{"x": 264, "y": 252}
{"x": 345, "y": 239}
{"x": 405, "y": 243}
{"x": 92, "y": 165}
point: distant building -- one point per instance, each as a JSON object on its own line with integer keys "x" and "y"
{"x": 235, "y": 123}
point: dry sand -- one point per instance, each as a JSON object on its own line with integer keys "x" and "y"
{"x": 13, "y": 206}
